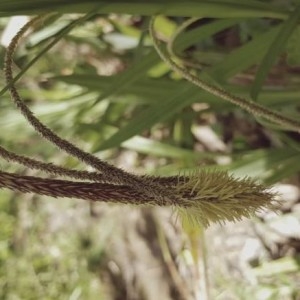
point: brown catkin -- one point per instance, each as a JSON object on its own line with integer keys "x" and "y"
{"x": 81, "y": 190}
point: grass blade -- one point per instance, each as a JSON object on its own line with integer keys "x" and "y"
{"x": 274, "y": 50}
{"x": 151, "y": 116}
{"x": 212, "y": 9}
{"x": 243, "y": 57}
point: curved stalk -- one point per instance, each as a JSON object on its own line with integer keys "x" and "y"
{"x": 250, "y": 106}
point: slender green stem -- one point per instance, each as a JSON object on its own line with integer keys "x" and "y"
{"x": 250, "y": 106}
{"x": 203, "y": 266}
{"x": 178, "y": 31}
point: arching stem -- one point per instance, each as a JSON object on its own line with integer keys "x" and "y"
{"x": 250, "y": 106}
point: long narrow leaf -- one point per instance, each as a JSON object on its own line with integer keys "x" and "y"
{"x": 151, "y": 116}
{"x": 59, "y": 36}
{"x": 274, "y": 50}
{"x": 213, "y": 9}
{"x": 189, "y": 38}
{"x": 145, "y": 93}
{"x": 130, "y": 75}
{"x": 243, "y": 57}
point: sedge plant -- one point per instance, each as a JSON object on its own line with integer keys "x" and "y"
{"x": 202, "y": 197}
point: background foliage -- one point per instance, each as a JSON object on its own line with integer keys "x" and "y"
{"x": 104, "y": 87}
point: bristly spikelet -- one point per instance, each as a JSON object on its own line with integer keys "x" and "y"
{"x": 218, "y": 197}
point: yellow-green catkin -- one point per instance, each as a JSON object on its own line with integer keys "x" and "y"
{"x": 218, "y": 197}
